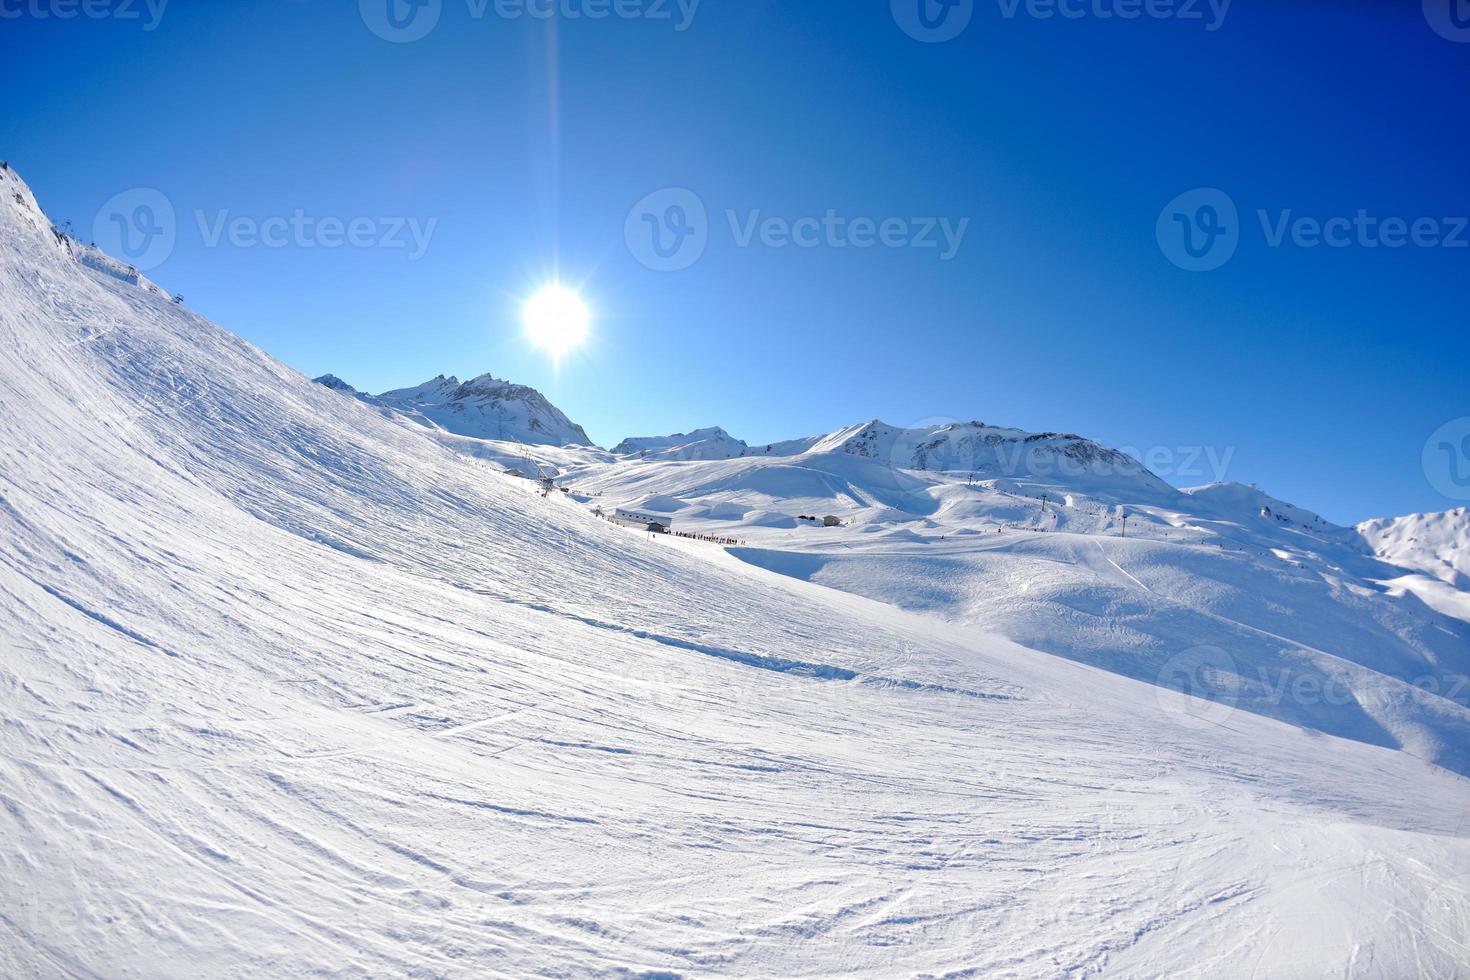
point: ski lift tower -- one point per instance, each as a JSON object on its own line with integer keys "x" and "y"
{"x": 545, "y": 476}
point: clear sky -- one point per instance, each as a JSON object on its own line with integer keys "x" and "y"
{"x": 519, "y": 145}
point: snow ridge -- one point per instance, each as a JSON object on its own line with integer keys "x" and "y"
{"x": 481, "y": 408}
{"x": 708, "y": 443}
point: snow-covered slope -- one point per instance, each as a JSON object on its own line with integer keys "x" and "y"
{"x": 290, "y": 689}
{"x": 1437, "y": 544}
{"x": 1429, "y": 555}
{"x": 1238, "y": 502}
{"x": 481, "y": 408}
{"x": 1076, "y": 549}
{"x": 875, "y": 470}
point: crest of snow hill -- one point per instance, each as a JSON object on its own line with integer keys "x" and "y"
{"x": 481, "y": 408}
{"x": 487, "y": 408}
{"x": 491, "y": 409}
{"x": 22, "y": 205}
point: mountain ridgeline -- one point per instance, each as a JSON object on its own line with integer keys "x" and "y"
{"x": 481, "y": 408}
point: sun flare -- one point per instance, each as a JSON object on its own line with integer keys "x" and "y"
{"x": 556, "y": 319}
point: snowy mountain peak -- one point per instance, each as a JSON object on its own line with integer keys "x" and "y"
{"x": 489, "y": 386}
{"x": 437, "y": 389}
{"x": 1438, "y": 544}
{"x": 985, "y": 450}
{"x": 712, "y": 442}
{"x": 336, "y": 384}
{"x": 484, "y": 407}
{"x": 18, "y": 199}
{"x": 974, "y": 449}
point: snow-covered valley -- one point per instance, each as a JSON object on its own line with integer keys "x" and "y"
{"x": 1076, "y": 549}
{"x": 296, "y": 683}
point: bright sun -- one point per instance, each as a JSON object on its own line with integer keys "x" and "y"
{"x": 556, "y": 319}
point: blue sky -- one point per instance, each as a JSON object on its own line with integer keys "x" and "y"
{"x": 519, "y": 145}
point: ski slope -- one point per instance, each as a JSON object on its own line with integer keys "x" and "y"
{"x": 291, "y": 687}
{"x": 1076, "y": 550}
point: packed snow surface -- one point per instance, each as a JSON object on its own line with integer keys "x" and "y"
{"x": 292, "y": 686}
